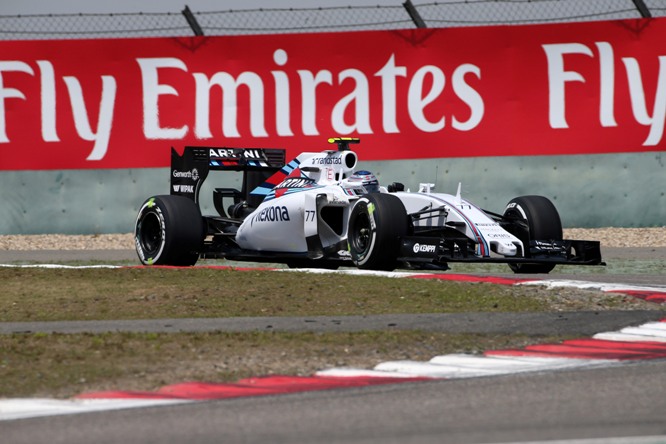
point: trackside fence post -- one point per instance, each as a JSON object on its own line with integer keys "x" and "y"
{"x": 192, "y": 21}
{"x": 642, "y": 8}
{"x": 414, "y": 14}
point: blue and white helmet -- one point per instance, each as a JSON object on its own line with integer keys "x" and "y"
{"x": 366, "y": 179}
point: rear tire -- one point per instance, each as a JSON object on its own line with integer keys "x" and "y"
{"x": 376, "y": 223}
{"x": 169, "y": 231}
{"x": 540, "y": 221}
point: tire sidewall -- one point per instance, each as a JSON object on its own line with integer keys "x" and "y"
{"x": 543, "y": 222}
{"x": 539, "y": 214}
{"x": 150, "y": 208}
{"x": 180, "y": 227}
{"x": 363, "y": 207}
{"x": 387, "y": 221}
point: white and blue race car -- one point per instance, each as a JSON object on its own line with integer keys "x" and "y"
{"x": 318, "y": 211}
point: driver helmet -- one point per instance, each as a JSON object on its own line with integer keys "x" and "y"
{"x": 366, "y": 179}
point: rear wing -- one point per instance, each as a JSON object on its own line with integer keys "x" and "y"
{"x": 190, "y": 170}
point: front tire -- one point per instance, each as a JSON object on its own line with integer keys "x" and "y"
{"x": 376, "y": 223}
{"x": 169, "y": 231}
{"x": 536, "y": 219}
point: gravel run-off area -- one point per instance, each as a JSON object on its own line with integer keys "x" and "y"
{"x": 609, "y": 237}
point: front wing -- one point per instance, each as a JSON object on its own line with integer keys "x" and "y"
{"x": 439, "y": 251}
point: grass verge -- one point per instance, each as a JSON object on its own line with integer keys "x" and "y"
{"x": 64, "y": 365}
{"x": 57, "y": 365}
{"x": 35, "y": 294}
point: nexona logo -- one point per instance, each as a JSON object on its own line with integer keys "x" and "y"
{"x": 278, "y": 213}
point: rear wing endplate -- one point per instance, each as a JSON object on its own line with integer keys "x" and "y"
{"x": 190, "y": 169}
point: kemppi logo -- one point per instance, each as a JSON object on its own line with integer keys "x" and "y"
{"x": 424, "y": 248}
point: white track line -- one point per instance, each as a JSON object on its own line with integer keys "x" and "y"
{"x": 58, "y": 266}
{"x": 469, "y": 366}
{"x": 601, "y": 286}
{"x": 21, "y": 408}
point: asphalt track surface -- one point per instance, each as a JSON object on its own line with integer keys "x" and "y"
{"x": 611, "y": 402}
{"x": 626, "y": 400}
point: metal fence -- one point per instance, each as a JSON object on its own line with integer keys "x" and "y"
{"x": 447, "y": 13}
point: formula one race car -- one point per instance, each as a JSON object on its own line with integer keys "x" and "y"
{"x": 317, "y": 211}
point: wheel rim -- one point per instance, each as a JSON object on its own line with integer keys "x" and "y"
{"x": 150, "y": 233}
{"x": 361, "y": 234}
{"x": 516, "y": 216}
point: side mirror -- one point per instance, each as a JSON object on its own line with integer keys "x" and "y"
{"x": 396, "y": 186}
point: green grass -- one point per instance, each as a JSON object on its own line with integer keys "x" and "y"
{"x": 63, "y": 365}
{"x": 35, "y": 294}
{"x": 66, "y": 365}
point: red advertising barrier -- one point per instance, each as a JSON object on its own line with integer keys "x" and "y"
{"x": 595, "y": 87}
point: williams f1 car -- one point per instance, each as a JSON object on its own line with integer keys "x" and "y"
{"x": 318, "y": 211}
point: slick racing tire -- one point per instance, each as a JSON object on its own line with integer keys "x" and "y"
{"x": 169, "y": 231}
{"x": 540, "y": 220}
{"x": 376, "y": 223}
